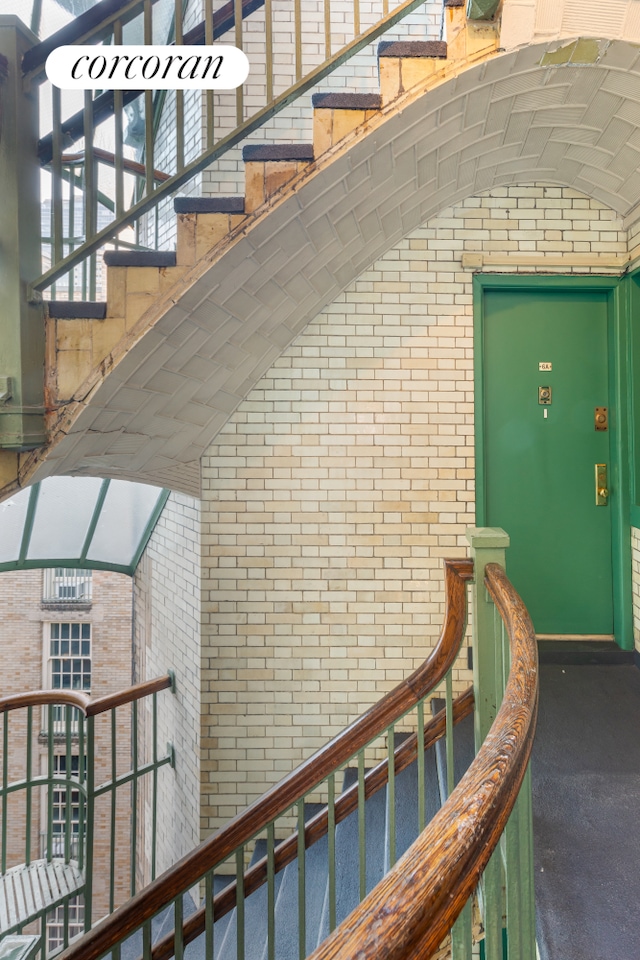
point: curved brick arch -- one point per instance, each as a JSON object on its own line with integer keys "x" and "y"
{"x": 509, "y": 120}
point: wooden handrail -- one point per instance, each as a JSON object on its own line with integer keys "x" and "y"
{"x": 83, "y": 703}
{"x": 317, "y": 827}
{"x": 412, "y": 909}
{"x": 276, "y": 801}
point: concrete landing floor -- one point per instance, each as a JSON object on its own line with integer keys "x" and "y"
{"x": 586, "y": 804}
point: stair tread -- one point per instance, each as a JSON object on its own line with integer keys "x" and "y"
{"x": 436, "y": 49}
{"x": 140, "y": 258}
{"x": 278, "y": 152}
{"x": 76, "y": 309}
{"x": 346, "y": 101}
{"x": 208, "y": 205}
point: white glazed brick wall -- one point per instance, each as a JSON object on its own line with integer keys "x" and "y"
{"x": 342, "y": 481}
{"x": 167, "y": 637}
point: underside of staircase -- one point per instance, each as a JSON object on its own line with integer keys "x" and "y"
{"x": 94, "y": 348}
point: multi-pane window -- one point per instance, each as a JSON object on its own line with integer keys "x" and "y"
{"x": 56, "y": 924}
{"x": 70, "y": 656}
{"x": 65, "y": 809}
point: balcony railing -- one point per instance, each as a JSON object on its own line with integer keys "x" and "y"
{"x": 72, "y": 796}
{"x": 97, "y": 194}
{"x": 66, "y": 586}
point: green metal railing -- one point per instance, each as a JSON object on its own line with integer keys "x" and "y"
{"x": 105, "y": 192}
{"x": 250, "y": 854}
{"x": 72, "y": 770}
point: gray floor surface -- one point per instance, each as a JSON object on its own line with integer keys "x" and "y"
{"x": 586, "y": 803}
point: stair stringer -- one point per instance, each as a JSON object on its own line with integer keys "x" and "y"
{"x": 254, "y": 292}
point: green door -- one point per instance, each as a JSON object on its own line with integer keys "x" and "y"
{"x": 540, "y": 479}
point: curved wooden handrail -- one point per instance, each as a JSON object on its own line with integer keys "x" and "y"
{"x": 317, "y": 827}
{"x": 87, "y": 706}
{"x": 412, "y": 909}
{"x": 276, "y": 801}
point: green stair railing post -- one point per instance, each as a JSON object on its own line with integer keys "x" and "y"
{"x": 507, "y": 886}
{"x": 22, "y": 354}
{"x": 487, "y": 546}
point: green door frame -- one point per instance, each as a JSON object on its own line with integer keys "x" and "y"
{"x": 619, "y": 380}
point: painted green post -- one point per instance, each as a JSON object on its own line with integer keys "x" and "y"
{"x": 488, "y": 545}
{"x": 512, "y": 862}
{"x": 21, "y": 320}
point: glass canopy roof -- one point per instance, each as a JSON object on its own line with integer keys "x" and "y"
{"x": 79, "y": 522}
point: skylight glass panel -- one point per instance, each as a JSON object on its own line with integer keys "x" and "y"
{"x": 13, "y": 513}
{"x": 63, "y": 514}
{"x": 125, "y": 516}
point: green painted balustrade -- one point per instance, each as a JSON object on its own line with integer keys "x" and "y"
{"x": 465, "y": 886}
{"x": 79, "y": 792}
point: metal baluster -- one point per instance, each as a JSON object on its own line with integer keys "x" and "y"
{"x": 451, "y": 777}
{"x": 113, "y": 798}
{"x": 391, "y": 793}
{"x": 154, "y": 798}
{"x": 208, "y": 915}
{"x": 301, "y": 884}
{"x": 327, "y": 29}
{"x": 29, "y": 778}
{"x": 146, "y": 940}
{"x": 5, "y": 783}
{"x": 420, "y": 764}
{"x": 492, "y": 901}
{"x": 91, "y": 192}
{"x": 82, "y": 770}
{"x": 268, "y": 26}
{"x": 237, "y": 7}
{"x": 271, "y": 891}
{"x": 179, "y": 94}
{"x": 91, "y": 804}
{"x": 68, "y": 714}
{"x": 57, "y": 252}
{"x": 462, "y": 934}
{"x": 208, "y": 39}
{"x": 240, "y": 903}
{"x": 362, "y": 828}
{"x": 50, "y": 734}
{"x": 118, "y": 110}
{"x": 297, "y": 16}
{"x": 72, "y": 226}
{"x": 178, "y": 927}
{"x": 134, "y": 794}
{"x": 148, "y": 107}
{"x": 331, "y": 809}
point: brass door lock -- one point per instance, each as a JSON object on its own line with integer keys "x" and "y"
{"x": 544, "y": 395}
{"x": 602, "y": 488}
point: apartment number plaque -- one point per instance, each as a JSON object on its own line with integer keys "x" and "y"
{"x": 545, "y": 366}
